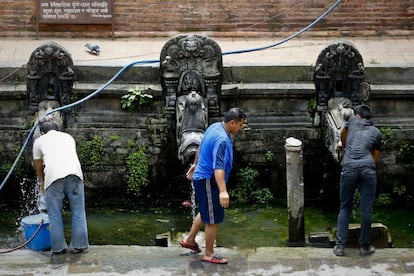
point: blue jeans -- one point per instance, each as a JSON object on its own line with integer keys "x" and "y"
{"x": 72, "y": 187}
{"x": 364, "y": 178}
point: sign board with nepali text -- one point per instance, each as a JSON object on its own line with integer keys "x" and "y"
{"x": 74, "y": 12}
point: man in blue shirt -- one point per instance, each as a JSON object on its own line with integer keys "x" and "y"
{"x": 361, "y": 141}
{"x": 210, "y": 173}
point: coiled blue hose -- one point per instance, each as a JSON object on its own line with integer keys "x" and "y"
{"x": 120, "y": 72}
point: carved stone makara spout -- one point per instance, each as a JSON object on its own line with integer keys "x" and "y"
{"x": 45, "y": 107}
{"x": 339, "y": 111}
{"x": 339, "y": 85}
{"x": 191, "y": 123}
{"x": 50, "y": 79}
{"x": 191, "y": 75}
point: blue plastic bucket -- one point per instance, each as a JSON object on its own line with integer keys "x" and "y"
{"x": 42, "y": 239}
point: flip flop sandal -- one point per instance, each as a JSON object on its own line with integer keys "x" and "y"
{"x": 61, "y": 252}
{"x": 194, "y": 247}
{"x": 77, "y": 250}
{"x": 216, "y": 259}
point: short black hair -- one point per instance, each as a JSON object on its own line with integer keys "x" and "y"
{"x": 46, "y": 126}
{"x": 236, "y": 114}
{"x": 363, "y": 111}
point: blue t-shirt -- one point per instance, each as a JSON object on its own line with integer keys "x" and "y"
{"x": 216, "y": 152}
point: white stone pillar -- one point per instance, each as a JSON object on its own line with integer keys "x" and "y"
{"x": 295, "y": 191}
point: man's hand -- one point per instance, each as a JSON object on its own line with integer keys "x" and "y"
{"x": 224, "y": 199}
{"x": 190, "y": 172}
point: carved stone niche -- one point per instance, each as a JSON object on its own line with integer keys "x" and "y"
{"x": 194, "y": 56}
{"x": 339, "y": 72}
{"x": 191, "y": 76}
{"x": 49, "y": 75}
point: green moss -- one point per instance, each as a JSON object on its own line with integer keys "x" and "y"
{"x": 137, "y": 171}
{"x": 92, "y": 152}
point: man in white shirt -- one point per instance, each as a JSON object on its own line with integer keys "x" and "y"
{"x": 58, "y": 168}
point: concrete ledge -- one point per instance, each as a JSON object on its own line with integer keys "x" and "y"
{"x": 244, "y": 73}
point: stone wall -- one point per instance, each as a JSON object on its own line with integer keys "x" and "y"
{"x": 276, "y": 99}
{"x": 223, "y": 18}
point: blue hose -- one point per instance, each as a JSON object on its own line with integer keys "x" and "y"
{"x": 26, "y": 142}
{"x": 150, "y": 62}
{"x": 289, "y": 37}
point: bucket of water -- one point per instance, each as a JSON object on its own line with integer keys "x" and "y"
{"x": 30, "y": 225}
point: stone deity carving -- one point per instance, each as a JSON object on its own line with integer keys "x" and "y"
{"x": 191, "y": 75}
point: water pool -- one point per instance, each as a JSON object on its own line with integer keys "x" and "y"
{"x": 242, "y": 228}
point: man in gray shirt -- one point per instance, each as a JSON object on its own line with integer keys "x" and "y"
{"x": 361, "y": 141}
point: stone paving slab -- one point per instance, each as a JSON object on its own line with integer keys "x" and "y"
{"x": 15, "y": 52}
{"x": 174, "y": 260}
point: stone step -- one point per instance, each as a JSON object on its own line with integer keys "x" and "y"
{"x": 374, "y": 73}
{"x": 284, "y": 89}
{"x": 104, "y": 109}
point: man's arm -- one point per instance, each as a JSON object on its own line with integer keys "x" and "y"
{"x": 221, "y": 183}
{"x": 190, "y": 172}
{"x": 375, "y": 154}
{"x": 38, "y": 166}
{"x": 344, "y": 134}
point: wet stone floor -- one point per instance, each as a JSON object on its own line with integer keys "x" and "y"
{"x": 174, "y": 260}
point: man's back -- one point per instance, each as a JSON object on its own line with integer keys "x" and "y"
{"x": 58, "y": 152}
{"x": 215, "y": 152}
{"x": 363, "y": 137}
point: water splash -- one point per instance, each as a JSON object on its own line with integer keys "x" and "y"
{"x": 33, "y": 202}
{"x": 193, "y": 203}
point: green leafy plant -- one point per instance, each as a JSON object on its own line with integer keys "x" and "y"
{"x": 312, "y": 105}
{"x": 135, "y": 99}
{"x": 114, "y": 137}
{"x": 383, "y": 200}
{"x": 387, "y": 136}
{"x": 269, "y": 156}
{"x": 399, "y": 190}
{"x": 137, "y": 171}
{"x": 263, "y": 196}
{"x": 247, "y": 191}
{"x": 406, "y": 154}
{"x": 91, "y": 152}
{"x": 373, "y": 61}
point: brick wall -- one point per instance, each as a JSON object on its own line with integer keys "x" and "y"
{"x": 223, "y": 18}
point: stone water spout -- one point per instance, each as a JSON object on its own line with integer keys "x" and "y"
{"x": 44, "y": 107}
{"x": 339, "y": 84}
{"x": 338, "y": 112}
{"x": 49, "y": 76}
{"x": 49, "y": 82}
{"x": 191, "y": 123}
{"x": 191, "y": 76}
{"x": 49, "y": 86}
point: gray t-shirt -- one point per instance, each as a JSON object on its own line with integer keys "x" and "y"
{"x": 363, "y": 137}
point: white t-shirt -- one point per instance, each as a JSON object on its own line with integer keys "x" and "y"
{"x": 58, "y": 151}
